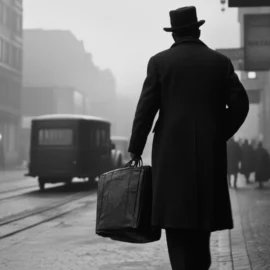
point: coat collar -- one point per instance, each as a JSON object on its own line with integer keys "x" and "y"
{"x": 188, "y": 40}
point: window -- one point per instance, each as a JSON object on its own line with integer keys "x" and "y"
{"x": 55, "y": 137}
{"x": 11, "y": 137}
{"x": 92, "y": 135}
{"x": 252, "y": 75}
{"x": 103, "y": 137}
{"x": 105, "y": 141}
{"x": 14, "y": 50}
{"x": 10, "y": 18}
{"x": 10, "y": 55}
{"x": 98, "y": 137}
{"x": 1, "y": 55}
{"x": 1, "y": 10}
{"x": 5, "y": 52}
{"x": 4, "y": 13}
{"x": 17, "y": 56}
{"x": 18, "y": 23}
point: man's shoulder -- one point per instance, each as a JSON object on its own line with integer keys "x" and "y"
{"x": 160, "y": 54}
{"x": 214, "y": 53}
{"x": 220, "y": 55}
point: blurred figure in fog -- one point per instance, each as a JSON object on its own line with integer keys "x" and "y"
{"x": 247, "y": 160}
{"x": 262, "y": 165}
{"x": 233, "y": 160}
{"x": 201, "y": 104}
{"x": 240, "y": 142}
{"x": 2, "y": 155}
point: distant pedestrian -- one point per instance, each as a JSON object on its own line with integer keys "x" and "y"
{"x": 2, "y": 154}
{"x": 262, "y": 165}
{"x": 201, "y": 104}
{"x": 247, "y": 160}
{"x": 233, "y": 160}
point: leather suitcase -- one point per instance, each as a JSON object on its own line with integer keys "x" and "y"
{"x": 124, "y": 205}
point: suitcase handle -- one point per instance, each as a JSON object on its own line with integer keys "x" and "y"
{"x": 135, "y": 163}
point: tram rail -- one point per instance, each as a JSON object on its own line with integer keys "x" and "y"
{"x": 16, "y": 192}
{"x": 22, "y": 222}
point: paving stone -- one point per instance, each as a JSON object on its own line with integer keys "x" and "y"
{"x": 71, "y": 243}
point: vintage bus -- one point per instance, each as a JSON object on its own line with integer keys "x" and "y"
{"x": 65, "y": 146}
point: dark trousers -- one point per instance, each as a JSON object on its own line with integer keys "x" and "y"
{"x": 189, "y": 249}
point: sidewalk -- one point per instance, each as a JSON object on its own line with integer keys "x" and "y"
{"x": 11, "y": 179}
{"x": 71, "y": 243}
{"x": 12, "y": 174}
{"x": 229, "y": 250}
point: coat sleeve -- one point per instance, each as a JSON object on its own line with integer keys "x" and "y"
{"x": 237, "y": 103}
{"x": 147, "y": 108}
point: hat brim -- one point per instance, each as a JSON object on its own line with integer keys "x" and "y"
{"x": 173, "y": 29}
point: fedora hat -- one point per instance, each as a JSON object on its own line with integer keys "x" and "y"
{"x": 183, "y": 18}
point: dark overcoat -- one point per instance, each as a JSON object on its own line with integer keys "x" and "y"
{"x": 190, "y": 86}
{"x": 262, "y": 165}
{"x": 233, "y": 157}
{"x": 248, "y": 159}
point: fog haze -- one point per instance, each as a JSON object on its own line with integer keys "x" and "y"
{"x": 122, "y": 34}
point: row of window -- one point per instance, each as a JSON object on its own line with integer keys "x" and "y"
{"x": 60, "y": 137}
{"x": 10, "y": 18}
{"x": 10, "y": 54}
{"x": 55, "y": 137}
{"x": 13, "y": 2}
{"x": 99, "y": 137}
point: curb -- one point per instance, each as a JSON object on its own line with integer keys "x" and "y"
{"x": 240, "y": 254}
{"x": 229, "y": 247}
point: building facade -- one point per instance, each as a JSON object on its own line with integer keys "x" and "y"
{"x": 261, "y": 82}
{"x": 58, "y": 58}
{"x": 11, "y": 49}
{"x": 38, "y": 100}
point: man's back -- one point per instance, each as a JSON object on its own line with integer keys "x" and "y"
{"x": 194, "y": 82}
{"x": 192, "y": 75}
{"x": 201, "y": 104}
{"x": 190, "y": 85}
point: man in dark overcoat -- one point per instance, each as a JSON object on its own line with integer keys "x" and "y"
{"x": 2, "y": 156}
{"x": 233, "y": 159}
{"x": 201, "y": 104}
{"x": 262, "y": 165}
{"x": 247, "y": 160}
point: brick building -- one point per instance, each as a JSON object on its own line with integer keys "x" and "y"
{"x": 56, "y": 58}
{"x": 59, "y": 76}
{"x": 11, "y": 43}
{"x": 260, "y": 37}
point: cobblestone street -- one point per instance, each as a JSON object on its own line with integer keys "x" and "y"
{"x": 255, "y": 209}
{"x": 70, "y": 242}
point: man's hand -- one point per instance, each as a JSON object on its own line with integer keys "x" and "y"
{"x": 135, "y": 157}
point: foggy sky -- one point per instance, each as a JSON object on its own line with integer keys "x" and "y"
{"x": 123, "y": 34}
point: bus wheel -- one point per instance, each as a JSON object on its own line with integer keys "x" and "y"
{"x": 68, "y": 181}
{"x": 92, "y": 181}
{"x": 41, "y": 184}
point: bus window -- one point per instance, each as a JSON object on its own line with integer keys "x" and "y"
{"x": 55, "y": 137}
{"x": 92, "y": 138}
{"x": 98, "y": 137}
{"x": 103, "y": 137}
